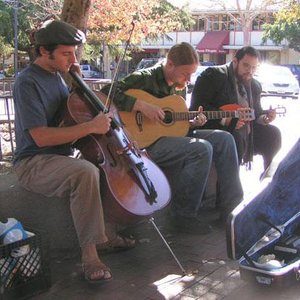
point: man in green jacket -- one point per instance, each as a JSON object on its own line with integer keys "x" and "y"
{"x": 185, "y": 159}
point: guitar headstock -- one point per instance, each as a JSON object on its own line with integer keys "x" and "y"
{"x": 279, "y": 109}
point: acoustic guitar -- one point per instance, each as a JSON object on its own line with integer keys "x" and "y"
{"x": 176, "y": 121}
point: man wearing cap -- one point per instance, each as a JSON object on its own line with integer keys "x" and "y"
{"x": 42, "y": 162}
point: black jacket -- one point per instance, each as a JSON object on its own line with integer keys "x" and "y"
{"x": 215, "y": 87}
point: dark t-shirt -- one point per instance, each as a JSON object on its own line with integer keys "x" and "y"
{"x": 39, "y": 97}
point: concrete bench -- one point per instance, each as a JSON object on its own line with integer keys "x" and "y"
{"x": 50, "y": 215}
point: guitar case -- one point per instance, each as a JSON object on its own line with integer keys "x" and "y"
{"x": 264, "y": 233}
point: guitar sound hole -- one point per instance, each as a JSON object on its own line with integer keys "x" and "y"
{"x": 168, "y": 117}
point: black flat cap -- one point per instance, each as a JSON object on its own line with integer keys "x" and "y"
{"x": 54, "y": 32}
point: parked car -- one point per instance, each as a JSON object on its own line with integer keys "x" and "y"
{"x": 277, "y": 81}
{"x": 148, "y": 62}
{"x": 295, "y": 70}
{"x": 208, "y": 63}
{"x": 89, "y": 71}
{"x": 194, "y": 76}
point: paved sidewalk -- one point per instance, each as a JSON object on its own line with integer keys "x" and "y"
{"x": 149, "y": 272}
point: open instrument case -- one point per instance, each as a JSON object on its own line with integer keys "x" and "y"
{"x": 264, "y": 234}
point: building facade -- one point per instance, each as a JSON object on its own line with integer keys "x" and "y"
{"x": 217, "y": 35}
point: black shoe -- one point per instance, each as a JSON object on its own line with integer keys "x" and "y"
{"x": 208, "y": 216}
{"x": 223, "y": 219}
{"x": 221, "y": 222}
{"x": 190, "y": 225}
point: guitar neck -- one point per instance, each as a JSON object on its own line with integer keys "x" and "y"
{"x": 210, "y": 115}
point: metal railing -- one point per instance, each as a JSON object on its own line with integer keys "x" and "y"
{"x": 7, "y": 112}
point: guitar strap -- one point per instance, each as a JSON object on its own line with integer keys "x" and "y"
{"x": 232, "y": 124}
{"x": 250, "y": 147}
{"x": 241, "y": 100}
{"x": 240, "y": 96}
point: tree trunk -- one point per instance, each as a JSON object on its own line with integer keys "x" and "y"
{"x": 76, "y": 12}
{"x": 247, "y": 41}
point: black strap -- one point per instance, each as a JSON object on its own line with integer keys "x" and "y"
{"x": 232, "y": 125}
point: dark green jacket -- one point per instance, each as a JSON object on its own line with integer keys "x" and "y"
{"x": 150, "y": 80}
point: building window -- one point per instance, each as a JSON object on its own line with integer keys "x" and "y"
{"x": 213, "y": 23}
{"x": 258, "y": 22}
{"x": 231, "y": 25}
{"x": 230, "y": 22}
{"x": 199, "y": 24}
{"x": 225, "y": 22}
{"x": 238, "y": 24}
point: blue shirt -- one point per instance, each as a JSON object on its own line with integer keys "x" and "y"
{"x": 39, "y": 99}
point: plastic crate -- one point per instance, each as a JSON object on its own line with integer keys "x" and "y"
{"x": 27, "y": 275}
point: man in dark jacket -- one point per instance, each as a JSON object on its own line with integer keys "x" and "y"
{"x": 234, "y": 84}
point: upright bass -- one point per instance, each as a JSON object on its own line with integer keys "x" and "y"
{"x": 132, "y": 185}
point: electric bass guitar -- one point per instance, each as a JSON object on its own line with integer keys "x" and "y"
{"x": 177, "y": 117}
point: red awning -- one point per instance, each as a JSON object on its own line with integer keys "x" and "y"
{"x": 213, "y": 42}
{"x": 148, "y": 50}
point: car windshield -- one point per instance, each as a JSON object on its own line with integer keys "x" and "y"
{"x": 273, "y": 71}
{"x": 297, "y": 68}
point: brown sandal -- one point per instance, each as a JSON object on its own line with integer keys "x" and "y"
{"x": 119, "y": 243}
{"x": 96, "y": 272}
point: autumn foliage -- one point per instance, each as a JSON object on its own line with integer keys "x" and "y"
{"x": 111, "y": 21}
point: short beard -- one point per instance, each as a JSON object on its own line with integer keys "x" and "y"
{"x": 240, "y": 79}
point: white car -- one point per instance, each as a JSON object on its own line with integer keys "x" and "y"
{"x": 194, "y": 77}
{"x": 277, "y": 81}
{"x": 89, "y": 71}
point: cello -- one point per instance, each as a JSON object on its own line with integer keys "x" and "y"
{"x": 132, "y": 185}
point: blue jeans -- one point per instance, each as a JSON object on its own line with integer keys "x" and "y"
{"x": 225, "y": 158}
{"x": 187, "y": 162}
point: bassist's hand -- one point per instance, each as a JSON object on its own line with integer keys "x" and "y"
{"x": 240, "y": 123}
{"x": 245, "y": 116}
{"x": 101, "y": 123}
{"x": 270, "y": 116}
